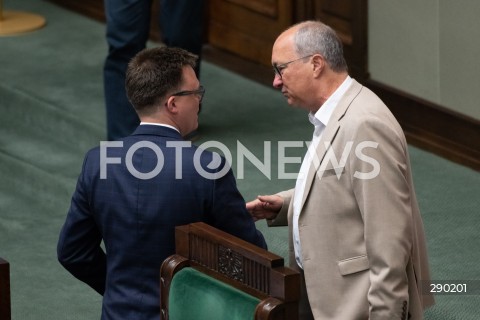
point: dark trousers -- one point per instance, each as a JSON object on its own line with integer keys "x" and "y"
{"x": 305, "y": 312}
{"x": 128, "y": 26}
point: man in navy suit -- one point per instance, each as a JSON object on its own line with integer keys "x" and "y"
{"x": 132, "y": 193}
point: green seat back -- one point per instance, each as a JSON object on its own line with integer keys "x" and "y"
{"x": 194, "y": 295}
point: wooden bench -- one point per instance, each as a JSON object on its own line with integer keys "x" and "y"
{"x": 216, "y": 275}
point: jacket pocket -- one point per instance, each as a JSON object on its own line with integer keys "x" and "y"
{"x": 331, "y": 172}
{"x": 352, "y": 265}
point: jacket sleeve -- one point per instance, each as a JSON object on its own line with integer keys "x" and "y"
{"x": 78, "y": 247}
{"x": 383, "y": 194}
{"x": 229, "y": 212}
{"x": 281, "y": 219}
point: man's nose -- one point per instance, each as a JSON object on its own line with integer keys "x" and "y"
{"x": 277, "y": 81}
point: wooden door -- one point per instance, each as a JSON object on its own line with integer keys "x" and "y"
{"x": 248, "y": 28}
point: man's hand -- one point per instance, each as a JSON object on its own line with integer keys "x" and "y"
{"x": 265, "y": 207}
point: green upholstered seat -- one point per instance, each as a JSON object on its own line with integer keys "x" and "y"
{"x": 195, "y": 295}
{"x": 214, "y": 275}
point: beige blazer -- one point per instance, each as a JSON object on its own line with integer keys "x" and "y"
{"x": 363, "y": 244}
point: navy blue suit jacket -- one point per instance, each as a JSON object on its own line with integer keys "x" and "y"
{"x": 136, "y": 215}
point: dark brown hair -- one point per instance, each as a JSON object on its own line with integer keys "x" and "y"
{"x": 154, "y": 73}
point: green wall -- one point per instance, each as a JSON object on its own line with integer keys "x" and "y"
{"x": 428, "y": 48}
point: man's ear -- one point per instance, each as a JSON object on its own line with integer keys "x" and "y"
{"x": 318, "y": 63}
{"x": 171, "y": 105}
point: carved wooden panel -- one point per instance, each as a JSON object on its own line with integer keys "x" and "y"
{"x": 235, "y": 262}
{"x": 230, "y": 263}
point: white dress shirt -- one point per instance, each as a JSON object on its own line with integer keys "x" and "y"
{"x": 319, "y": 120}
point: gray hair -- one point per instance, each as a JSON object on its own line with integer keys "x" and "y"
{"x": 316, "y": 37}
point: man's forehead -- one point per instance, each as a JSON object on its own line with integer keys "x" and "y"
{"x": 189, "y": 76}
{"x": 282, "y": 50}
{"x": 285, "y": 41}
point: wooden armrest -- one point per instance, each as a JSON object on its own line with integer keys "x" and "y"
{"x": 237, "y": 263}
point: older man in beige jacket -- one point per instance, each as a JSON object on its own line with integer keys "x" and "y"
{"x": 356, "y": 232}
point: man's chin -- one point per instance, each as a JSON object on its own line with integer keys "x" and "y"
{"x": 292, "y": 103}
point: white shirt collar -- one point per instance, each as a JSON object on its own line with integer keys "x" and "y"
{"x": 322, "y": 116}
{"x": 160, "y": 125}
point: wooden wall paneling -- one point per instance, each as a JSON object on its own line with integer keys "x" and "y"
{"x": 304, "y": 10}
{"x": 432, "y": 127}
{"x": 338, "y": 15}
{"x": 248, "y": 28}
{"x": 359, "y": 59}
{"x": 349, "y": 19}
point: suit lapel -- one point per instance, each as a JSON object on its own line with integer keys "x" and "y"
{"x": 329, "y": 135}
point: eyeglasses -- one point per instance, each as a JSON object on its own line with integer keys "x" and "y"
{"x": 277, "y": 69}
{"x": 200, "y": 92}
